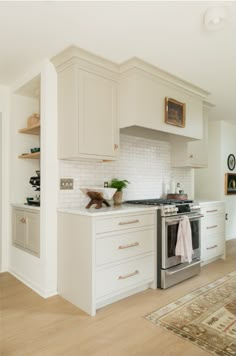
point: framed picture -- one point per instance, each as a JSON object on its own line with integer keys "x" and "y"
{"x": 174, "y": 112}
{"x": 230, "y": 183}
{"x": 231, "y": 162}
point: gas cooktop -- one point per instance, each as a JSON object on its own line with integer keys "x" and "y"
{"x": 169, "y": 207}
{"x": 159, "y": 202}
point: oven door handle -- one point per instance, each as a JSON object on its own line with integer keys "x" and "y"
{"x": 181, "y": 269}
{"x": 176, "y": 220}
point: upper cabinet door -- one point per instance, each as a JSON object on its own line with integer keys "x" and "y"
{"x": 97, "y": 111}
{"x": 87, "y": 115}
{"x": 194, "y": 153}
{"x": 87, "y": 106}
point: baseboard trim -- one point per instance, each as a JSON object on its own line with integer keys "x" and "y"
{"x": 213, "y": 259}
{"x": 116, "y": 297}
{"x": 50, "y": 294}
{"x": 34, "y": 286}
{"x": 229, "y": 238}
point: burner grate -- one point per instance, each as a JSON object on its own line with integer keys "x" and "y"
{"x": 159, "y": 201}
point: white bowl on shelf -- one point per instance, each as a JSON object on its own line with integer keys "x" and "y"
{"x": 107, "y": 193}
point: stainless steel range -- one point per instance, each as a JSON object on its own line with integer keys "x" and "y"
{"x": 170, "y": 269}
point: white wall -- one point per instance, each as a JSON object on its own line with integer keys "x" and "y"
{"x": 49, "y": 177}
{"x": 228, "y": 139}
{"x": 26, "y": 267}
{"x": 1, "y": 150}
{"x": 210, "y": 182}
{"x": 144, "y": 162}
{"x": 4, "y": 181}
{"x": 21, "y": 108}
{"x": 38, "y": 273}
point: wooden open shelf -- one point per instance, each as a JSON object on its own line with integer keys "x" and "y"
{"x": 35, "y": 155}
{"x": 33, "y": 130}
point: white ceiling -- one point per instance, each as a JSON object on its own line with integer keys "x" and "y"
{"x": 168, "y": 34}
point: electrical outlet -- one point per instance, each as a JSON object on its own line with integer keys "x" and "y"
{"x": 66, "y": 184}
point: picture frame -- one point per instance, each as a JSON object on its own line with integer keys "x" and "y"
{"x": 230, "y": 183}
{"x": 175, "y": 112}
{"x": 231, "y": 162}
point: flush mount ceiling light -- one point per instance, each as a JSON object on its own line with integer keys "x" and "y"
{"x": 215, "y": 18}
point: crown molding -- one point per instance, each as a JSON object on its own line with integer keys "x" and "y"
{"x": 161, "y": 74}
{"x": 74, "y": 55}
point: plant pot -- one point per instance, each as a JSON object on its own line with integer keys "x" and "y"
{"x": 117, "y": 198}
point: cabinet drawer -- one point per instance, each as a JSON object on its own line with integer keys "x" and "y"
{"x": 212, "y": 247}
{"x": 124, "y": 222}
{"x": 123, "y": 276}
{"x": 213, "y": 209}
{"x": 119, "y": 246}
{"x": 213, "y": 224}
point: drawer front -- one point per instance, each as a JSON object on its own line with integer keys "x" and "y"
{"x": 124, "y": 222}
{"x": 129, "y": 244}
{"x": 212, "y": 247}
{"x": 213, "y": 224}
{"x": 123, "y": 276}
{"x": 213, "y": 209}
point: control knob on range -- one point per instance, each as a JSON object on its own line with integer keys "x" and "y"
{"x": 170, "y": 209}
{"x": 166, "y": 210}
{"x": 195, "y": 207}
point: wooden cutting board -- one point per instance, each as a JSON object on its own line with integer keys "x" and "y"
{"x": 177, "y": 196}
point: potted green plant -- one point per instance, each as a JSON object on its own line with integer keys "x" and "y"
{"x": 119, "y": 185}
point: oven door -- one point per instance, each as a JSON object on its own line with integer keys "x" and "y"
{"x": 170, "y": 227}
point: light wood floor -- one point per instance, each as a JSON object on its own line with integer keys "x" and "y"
{"x": 31, "y": 325}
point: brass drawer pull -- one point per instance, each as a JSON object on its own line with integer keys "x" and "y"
{"x": 212, "y": 211}
{"x": 128, "y": 222}
{"x": 210, "y": 248}
{"x": 129, "y": 275}
{"x": 122, "y": 247}
{"x": 23, "y": 220}
{"x": 212, "y": 227}
{"x": 116, "y": 146}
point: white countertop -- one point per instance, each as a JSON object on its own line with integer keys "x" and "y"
{"x": 206, "y": 202}
{"x": 25, "y": 206}
{"x": 124, "y": 208}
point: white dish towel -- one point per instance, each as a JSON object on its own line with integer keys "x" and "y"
{"x": 184, "y": 246}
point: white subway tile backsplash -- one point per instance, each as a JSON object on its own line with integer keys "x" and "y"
{"x": 145, "y": 163}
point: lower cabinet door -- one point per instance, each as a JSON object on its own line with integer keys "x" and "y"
{"x": 32, "y": 232}
{"x": 19, "y": 223}
{"x": 124, "y": 276}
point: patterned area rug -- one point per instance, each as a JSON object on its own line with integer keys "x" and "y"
{"x": 206, "y": 317}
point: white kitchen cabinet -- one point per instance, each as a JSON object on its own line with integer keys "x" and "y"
{"x": 105, "y": 258}
{"x": 193, "y": 153}
{"x": 26, "y": 230}
{"x": 212, "y": 231}
{"x": 87, "y": 107}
